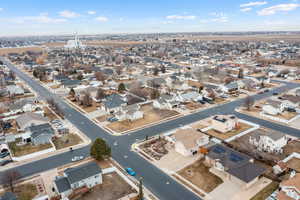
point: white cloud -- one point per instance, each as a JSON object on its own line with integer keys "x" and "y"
{"x": 168, "y": 22}
{"x": 121, "y": 19}
{"x": 184, "y": 17}
{"x": 68, "y": 14}
{"x": 91, "y": 12}
{"x": 254, "y": 3}
{"x": 280, "y": 7}
{"x": 219, "y": 17}
{"x": 101, "y": 19}
{"x": 246, "y": 9}
{"x": 41, "y": 18}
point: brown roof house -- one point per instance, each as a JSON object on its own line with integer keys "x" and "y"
{"x": 188, "y": 141}
{"x": 290, "y": 189}
{"x": 224, "y": 123}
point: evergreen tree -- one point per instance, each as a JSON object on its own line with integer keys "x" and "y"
{"x": 100, "y": 150}
{"x": 121, "y": 87}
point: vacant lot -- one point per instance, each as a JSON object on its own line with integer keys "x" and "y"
{"x": 155, "y": 148}
{"x": 151, "y": 115}
{"x": 4, "y": 51}
{"x": 87, "y": 109}
{"x": 26, "y": 191}
{"x": 66, "y": 140}
{"x": 267, "y": 191}
{"x": 26, "y": 149}
{"x": 113, "y": 187}
{"x": 199, "y": 175}
{"x": 223, "y": 136}
{"x": 294, "y": 163}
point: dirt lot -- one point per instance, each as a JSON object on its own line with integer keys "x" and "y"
{"x": 294, "y": 163}
{"x": 67, "y": 140}
{"x": 26, "y": 149}
{"x": 113, "y": 187}
{"x": 223, "y": 136}
{"x": 193, "y": 106}
{"x": 4, "y": 51}
{"x": 199, "y": 175}
{"x": 151, "y": 115}
{"x": 155, "y": 148}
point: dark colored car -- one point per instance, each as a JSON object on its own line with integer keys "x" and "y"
{"x": 4, "y": 154}
{"x": 5, "y": 162}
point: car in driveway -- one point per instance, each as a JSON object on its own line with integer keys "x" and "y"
{"x": 77, "y": 158}
{"x": 112, "y": 119}
{"x": 4, "y": 154}
{"x": 5, "y": 162}
{"x": 130, "y": 171}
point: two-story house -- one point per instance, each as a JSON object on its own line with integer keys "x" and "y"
{"x": 87, "y": 175}
{"x": 224, "y": 123}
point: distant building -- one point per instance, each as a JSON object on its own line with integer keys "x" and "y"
{"x": 74, "y": 44}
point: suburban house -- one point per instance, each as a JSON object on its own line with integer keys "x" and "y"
{"x": 23, "y": 105}
{"x": 267, "y": 140}
{"x": 113, "y": 103}
{"x": 224, "y": 123}
{"x": 39, "y": 134}
{"x": 230, "y": 87}
{"x": 235, "y": 166}
{"x": 130, "y": 112}
{"x": 291, "y": 101}
{"x": 166, "y": 101}
{"x": 189, "y": 96}
{"x": 188, "y": 141}
{"x": 28, "y": 119}
{"x": 290, "y": 189}
{"x": 84, "y": 176}
{"x": 15, "y": 90}
{"x": 273, "y": 107}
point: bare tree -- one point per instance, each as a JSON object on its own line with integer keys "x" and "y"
{"x": 87, "y": 99}
{"x": 100, "y": 76}
{"x": 248, "y": 102}
{"x": 119, "y": 70}
{"x": 10, "y": 178}
{"x": 100, "y": 93}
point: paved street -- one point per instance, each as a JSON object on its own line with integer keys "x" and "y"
{"x": 154, "y": 179}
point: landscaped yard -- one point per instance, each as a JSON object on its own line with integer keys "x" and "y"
{"x": 155, "y": 148}
{"x": 113, "y": 187}
{"x": 66, "y": 140}
{"x": 87, "y": 109}
{"x": 199, "y": 175}
{"x": 26, "y": 149}
{"x": 151, "y": 115}
{"x": 223, "y": 136}
{"x": 267, "y": 191}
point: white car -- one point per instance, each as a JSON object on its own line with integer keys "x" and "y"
{"x": 77, "y": 158}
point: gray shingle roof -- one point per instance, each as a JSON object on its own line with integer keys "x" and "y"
{"x": 40, "y": 130}
{"x": 113, "y": 101}
{"x": 235, "y": 163}
{"x": 82, "y": 172}
{"x": 62, "y": 184}
{"x": 8, "y": 196}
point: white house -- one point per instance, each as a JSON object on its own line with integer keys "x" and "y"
{"x": 273, "y": 107}
{"x": 166, "y": 101}
{"x": 290, "y": 189}
{"x": 267, "y": 140}
{"x": 87, "y": 175}
{"x": 131, "y": 112}
{"x": 188, "y": 141}
{"x": 224, "y": 123}
{"x": 189, "y": 96}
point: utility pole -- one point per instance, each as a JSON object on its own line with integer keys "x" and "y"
{"x": 141, "y": 193}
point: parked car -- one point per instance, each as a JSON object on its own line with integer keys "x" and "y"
{"x": 202, "y": 102}
{"x": 5, "y": 162}
{"x": 275, "y": 93}
{"x": 291, "y": 109}
{"x": 112, "y": 119}
{"x": 130, "y": 171}
{"x": 266, "y": 90}
{"x": 4, "y": 154}
{"x": 77, "y": 158}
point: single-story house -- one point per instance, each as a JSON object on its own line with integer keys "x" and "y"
{"x": 230, "y": 87}
{"x": 15, "y": 90}
{"x": 166, "y": 101}
{"x": 86, "y": 175}
{"x": 40, "y": 134}
{"x": 188, "y": 141}
{"x": 189, "y": 96}
{"x": 235, "y": 166}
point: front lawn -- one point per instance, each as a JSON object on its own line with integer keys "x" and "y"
{"x": 26, "y": 149}
{"x": 66, "y": 140}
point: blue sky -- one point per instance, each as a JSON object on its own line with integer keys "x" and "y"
{"x": 33, "y": 17}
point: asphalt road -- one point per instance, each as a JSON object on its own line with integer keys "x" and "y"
{"x": 163, "y": 186}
